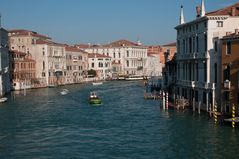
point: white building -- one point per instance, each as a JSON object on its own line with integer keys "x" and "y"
{"x": 198, "y": 54}
{"x": 101, "y": 64}
{"x": 128, "y": 58}
{"x": 5, "y": 85}
{"x": 153, "y": 65}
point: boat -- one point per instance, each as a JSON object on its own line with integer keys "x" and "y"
{"x": 131, "y": 78}
{"x": 94, "y": 99}
{"x": 230, "y": 120}
{"x": 3, "y": 99}
{"x": 97, "y": 83}
{"x": 64, "y": 91}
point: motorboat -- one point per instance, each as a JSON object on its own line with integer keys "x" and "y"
{"x": 94, "y": 99}
{"x": 97, "y": 83}
{"x": 64, "y": 91}
{"x": 3, "y": 99}
{"x": 132, "y": 78}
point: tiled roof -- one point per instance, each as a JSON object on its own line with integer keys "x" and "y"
{"x": 48, "y": 42}
{"x": 82, "y": 46}
{"x": 170, "y": 44}
{"x": 226, "y": 11}
{"x": 96, "y": 55}
{"x": 21, "y": 32}
{"x": 231, "y": 36}
{"x": 72, "y": 49}
{"x": 121, "y": 43}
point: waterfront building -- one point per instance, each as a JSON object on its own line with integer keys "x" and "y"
{"x": 5, "y": 85}
{"x": 22, "y": 71}
{"x": 198, "y": 54}
{"x": 230, "y": 71}
{"x": 50, "y": 62}
{"x": 101, "y": 64}
{"x": 49, "y": 56}
{"x": 128, "y": 58}
{"x": 161, "y": 49}
{"x": 153, "y": 65}
{"x": 76, "y": 65}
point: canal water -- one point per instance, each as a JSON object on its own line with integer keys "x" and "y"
{"x": 46, "y": 125}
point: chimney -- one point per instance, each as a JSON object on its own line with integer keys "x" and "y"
{"x": 236, "y": 31}
{"x": 228, "y": 33}
{"x": 198, "y": 11}
{"x": 233, "y": 11}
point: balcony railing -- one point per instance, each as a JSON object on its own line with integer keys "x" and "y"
{"x": 191, "y": 56}
{"x": 195, "y": 84}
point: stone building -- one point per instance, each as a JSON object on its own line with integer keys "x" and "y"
{"x": 198, "y": 54}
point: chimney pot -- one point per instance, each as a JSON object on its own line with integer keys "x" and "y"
{"x": 236, "y": 31}
{"x": 233, "y": 11}
{"x": 228, "y": 33}
{"x": 198, "y": 11}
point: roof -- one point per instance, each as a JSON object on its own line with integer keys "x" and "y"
{"x": 231, "y": 36}
{"x": 72, "y": 49}
{"x": 226, "y": 11}
{"x": 82, "y": 46}
{"x": 47, "y": 42}
{"x": 22, "y": 32}
{"x": 96, "y": 55}
{"x": 170, "y": 44}
{"x": 120, "y": 43}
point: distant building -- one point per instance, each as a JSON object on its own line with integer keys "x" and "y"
{"x": 5, "y": 85}
{"x": 76, "y": 65}
{"x": 161, "y": 49}
{"x": 50, "y": 57}
{"x": 230, "y": 71}
{"x": 153, "y": 65}
{"x": 128, "y": 58}
{"x": 23, "y": 70}
{"x": 101, "y": 64}
{"x": 198, "y": 54}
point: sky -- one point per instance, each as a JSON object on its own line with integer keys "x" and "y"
{"x": 102, "y": 21}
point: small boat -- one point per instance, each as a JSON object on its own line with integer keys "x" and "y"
{"x": 64, "y": 91}
{"x": 230, "y": 120}
{"x": 97, "y": 83}
{"x": 3, "y": 99}
{"x": 94, "y": 99}
{"x": 132, "y": 78}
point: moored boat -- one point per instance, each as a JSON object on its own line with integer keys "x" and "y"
{"x": 97, "y": 83}
{"x": 3, "y": 99}
{"x": 94, "y": 99}
{"x": 64, "y": 91}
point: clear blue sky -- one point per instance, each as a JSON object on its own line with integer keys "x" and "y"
{"x": 102, "y": 21}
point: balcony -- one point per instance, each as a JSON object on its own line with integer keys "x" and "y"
{"x": 195, "y": 84}
{"x": 192, "y": 56}
{"x": 227, "y": 84}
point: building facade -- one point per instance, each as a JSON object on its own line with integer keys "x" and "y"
{"x": 198, "y": 54}
{"x": 5, "y": 85}
{"x": 50, "y": 57}
{"x": 230, "y": 71}
{"x": 101, "y": 64}
{"x": 76, "y": 65}
{"x": 128, "y": 58}
{"x": 22, "y": 71}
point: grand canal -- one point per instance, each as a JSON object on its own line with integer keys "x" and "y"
{"x": 45, "y": 125}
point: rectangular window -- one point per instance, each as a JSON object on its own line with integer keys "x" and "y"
{"x": 92, "y": 65}
{"x": 220, "y": 24}
{"x": 196, "y": 96}
{"x": 215, "y": 46}
{"x": 229, "y": 45}
{"x": 205, "y": 71}
{"x": 204, "y": 98}
{"x": 197, "y": 44}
